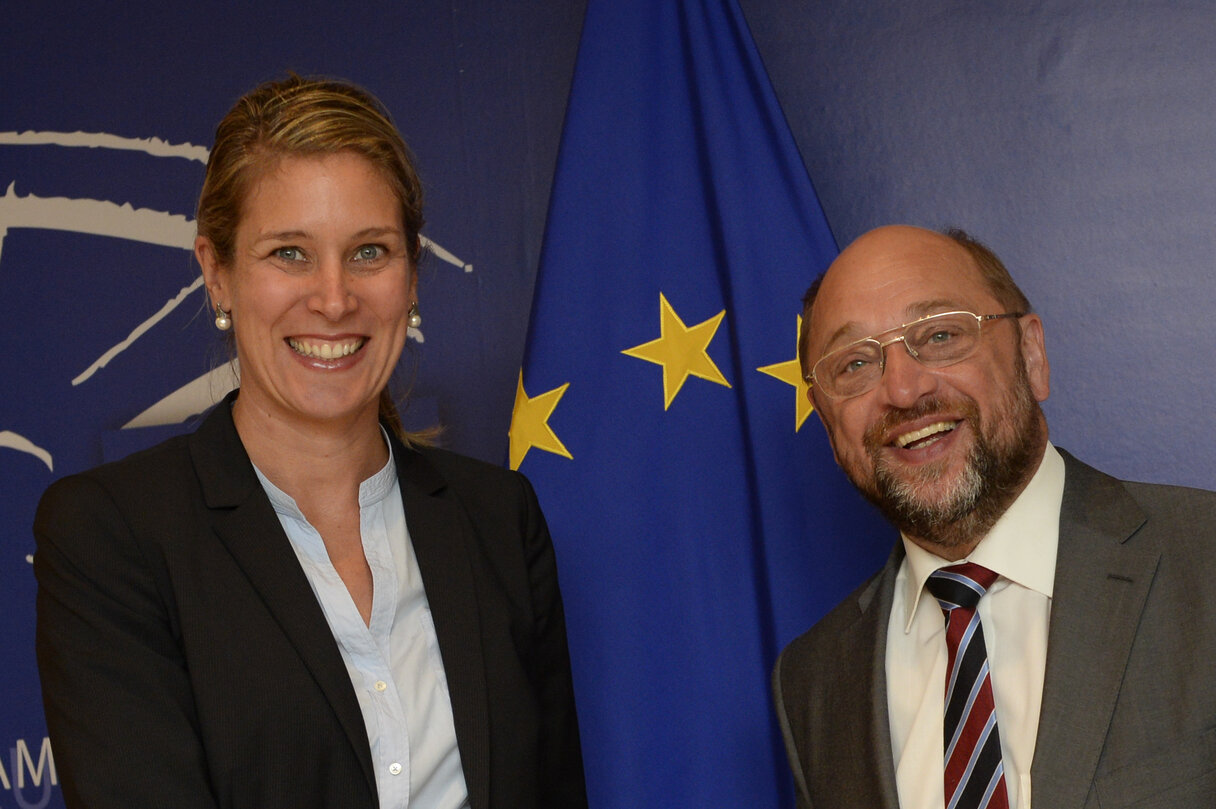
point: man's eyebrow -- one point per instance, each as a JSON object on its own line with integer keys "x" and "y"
{"x": 925, "y": 308}
{"x": 913, "y": 311}
{"x": 848, "y": 329}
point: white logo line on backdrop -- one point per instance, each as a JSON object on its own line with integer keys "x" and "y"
{"x": 12, "y": 440}
{"x": 93, "y": 216}
{"x": 106, "y": 218}
{"x": 102, "y": 140}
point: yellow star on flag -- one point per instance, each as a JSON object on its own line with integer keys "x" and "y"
{"x": 681, "y": 350}
{"x": 790, "y": 372}
{"x": 530, "y": 423}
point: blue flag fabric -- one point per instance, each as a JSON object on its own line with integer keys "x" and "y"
{"x": 697, "y": 527}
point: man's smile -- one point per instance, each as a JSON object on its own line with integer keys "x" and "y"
{"x": 923, "y": 437}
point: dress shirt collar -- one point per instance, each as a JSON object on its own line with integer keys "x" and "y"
{"x": 1021, "y": 546}
{"x": 371, "y": 491}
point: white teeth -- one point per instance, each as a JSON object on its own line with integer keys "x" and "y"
{"x": 924, "y": 432}
{"x": 325, "y": 351}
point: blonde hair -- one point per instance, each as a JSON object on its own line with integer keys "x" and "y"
{"x": 301, "y": 117}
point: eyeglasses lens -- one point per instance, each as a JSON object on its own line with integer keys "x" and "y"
{"x": 943, "y": 340}
{"x": 935, "y": 341}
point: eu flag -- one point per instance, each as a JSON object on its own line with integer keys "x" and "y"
{"x": 699, "y": 523}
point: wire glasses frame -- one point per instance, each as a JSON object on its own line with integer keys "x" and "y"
{"x": 935, "y": 341}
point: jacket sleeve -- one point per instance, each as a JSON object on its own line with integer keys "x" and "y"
{"x": 117, "y": 695}
{"x": 561, "y": 782}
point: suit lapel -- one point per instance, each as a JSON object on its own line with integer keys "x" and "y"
{"x": 861, "y": 747}
{"x": 246, "y": 523}
{"x": 874, "y": 637}
{"x": 1103, "y": 575}
{"x": 441, "y": 535}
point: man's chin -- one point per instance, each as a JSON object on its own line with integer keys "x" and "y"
{"x": 923, "y": 500}
{"x": 930, "y": 485}
{"x": 930, "y": 507}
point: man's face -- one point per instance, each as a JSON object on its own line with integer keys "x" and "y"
{"x": 941, "y": 451}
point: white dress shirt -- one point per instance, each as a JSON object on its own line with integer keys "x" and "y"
{"x": 394, "y": 664}
{"x": 1015, "y": 613}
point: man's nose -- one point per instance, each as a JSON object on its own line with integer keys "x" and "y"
{"x": 904, "y": 380}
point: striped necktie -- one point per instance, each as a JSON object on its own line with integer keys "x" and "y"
{"x": 974, "y": 772}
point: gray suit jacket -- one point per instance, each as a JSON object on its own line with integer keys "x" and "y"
{"x": 1129, "y": 699}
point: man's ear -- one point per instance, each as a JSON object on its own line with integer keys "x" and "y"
{"x": 1034, "y": 354}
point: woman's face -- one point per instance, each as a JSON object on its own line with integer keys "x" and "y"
{"x": 319, "y": 289}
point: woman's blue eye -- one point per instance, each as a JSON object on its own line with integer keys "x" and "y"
{"x": 370, "y": 252}
{"x": 290, "y": 253}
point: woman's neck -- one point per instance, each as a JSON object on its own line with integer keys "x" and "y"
{"x": 311, "y": 458}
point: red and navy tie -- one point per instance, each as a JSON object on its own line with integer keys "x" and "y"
{"x": 974, "y": 772}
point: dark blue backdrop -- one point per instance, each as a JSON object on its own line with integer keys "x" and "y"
{"x": 1073, "y": 135}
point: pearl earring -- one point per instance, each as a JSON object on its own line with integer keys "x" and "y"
{"x": 415, "y": 319}
{"x": 223, "y": 320}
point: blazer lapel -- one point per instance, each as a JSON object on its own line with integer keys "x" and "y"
{"x": 441, "y": 534}
{"x": 872, "y": 635}
{"x": 247, "y": 525}
{"x": 856, "y": 700}
{"x": 1103, "y": 575}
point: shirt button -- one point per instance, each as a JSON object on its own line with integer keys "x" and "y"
{"x": 394, "y": 768}
{"x": 380, "y": 686}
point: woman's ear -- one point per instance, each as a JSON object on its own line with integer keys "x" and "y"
{"x": 213, "y": 276}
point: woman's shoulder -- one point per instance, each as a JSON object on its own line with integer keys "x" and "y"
{"x": 475, "y": 481}
{"x": 208, "y": 447}
{"x": 132, "y": 497}
{"x": 164, "y": 478}
{"x": 142, "y": 471}
{"x": 455, "y": 466}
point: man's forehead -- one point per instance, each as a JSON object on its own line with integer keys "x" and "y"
{"x": 893, "y": 276}
{"x": 892, "y": 254}
{"x": 850, "y": 330}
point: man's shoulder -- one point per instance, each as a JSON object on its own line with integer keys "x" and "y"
{"x": 1183, "y": 512}
{"x": 814, "y": 648}
{"x": 1182, "y": 519}
{"x": 1175, "y": 501}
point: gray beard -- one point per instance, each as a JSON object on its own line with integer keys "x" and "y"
{"x": 963, "y": 514}
{"x": 992, "y": 478}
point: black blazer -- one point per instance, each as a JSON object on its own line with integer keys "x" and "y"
{"x": 1129, "y": 697}
{"x": 185, "y": 662}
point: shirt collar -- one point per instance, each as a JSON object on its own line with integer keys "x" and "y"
{"x": 379, "y": 485}
{"x": 1021, "y": 545}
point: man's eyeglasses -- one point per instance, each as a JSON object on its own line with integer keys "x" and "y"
{"x": 934, "y": 341}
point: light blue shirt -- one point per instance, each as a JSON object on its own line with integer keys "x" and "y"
{"x": 394, "y": 663}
